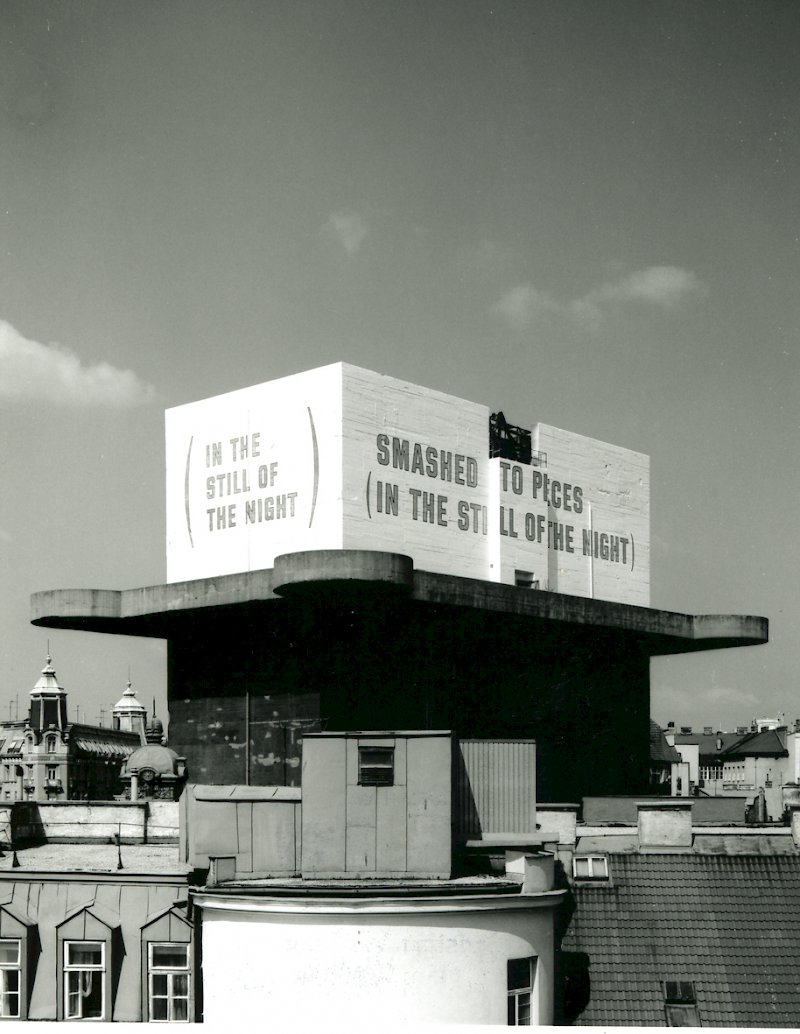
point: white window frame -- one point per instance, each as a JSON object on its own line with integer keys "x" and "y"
{"x": 170, "y": 972}
{"x": 598, "y": 867}
{"x": 71, "y": 970}
{"x": 5, "y": 992}
{"x": 520, "y": 999}
{"x": 51, "y": 744}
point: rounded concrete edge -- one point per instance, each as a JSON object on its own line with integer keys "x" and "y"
{"x": 304, "y": 571}
{"x": 75, "y": 603}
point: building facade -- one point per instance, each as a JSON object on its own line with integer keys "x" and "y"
{"x": 49, "y": 758}
{"x": 405, "y": 879}
{"x": 331, "y": 569}
{"x": 354, "y": 565}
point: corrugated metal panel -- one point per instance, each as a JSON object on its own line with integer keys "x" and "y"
{"x": 496, "y": 787}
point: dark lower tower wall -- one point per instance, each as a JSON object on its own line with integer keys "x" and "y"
{"x": 344, "y": 661}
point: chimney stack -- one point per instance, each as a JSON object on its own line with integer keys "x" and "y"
{"x": 665, "y": 825}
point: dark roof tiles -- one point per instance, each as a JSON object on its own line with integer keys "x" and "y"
{"x": 729, "y": 923}
{"x": 660, "y": 750}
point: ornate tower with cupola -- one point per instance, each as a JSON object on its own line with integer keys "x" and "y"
{"x": 128, "y": 715}
{"x": 48, "y": 701}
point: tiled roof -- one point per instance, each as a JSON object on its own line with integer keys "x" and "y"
{"x": 660, "y": 750}
{"x": 97, "y": 741}
{"x": 708, "y": 742}
{"x": 729, "y": 923}
{"x": 757, "y": 744}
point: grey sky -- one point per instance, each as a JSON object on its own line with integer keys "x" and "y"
{"x": 581, "y": 213}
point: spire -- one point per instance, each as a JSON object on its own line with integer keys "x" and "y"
{"x": 128, "y": 714}
{"x": 155, "y": 728}
{"x": 47, "y": 682}
{"x": 48, "y": 699}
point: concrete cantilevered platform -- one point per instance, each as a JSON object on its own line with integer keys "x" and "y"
{"x": 353, "y": 639}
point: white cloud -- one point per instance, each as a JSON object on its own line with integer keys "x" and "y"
{"x": 667, "y": 286}
{"x": 349, "y": 228}
{"x": 664, "y": 286}
{"x": 523, "y": 304}
{"x": 50, "y": 373}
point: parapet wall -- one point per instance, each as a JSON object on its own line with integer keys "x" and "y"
{"x": 134, "y": 822}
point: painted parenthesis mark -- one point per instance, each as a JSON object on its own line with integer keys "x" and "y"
{"x": 186, "y": 492}
{"x": 316, "y": 466}
{"x": 369, "y": 512}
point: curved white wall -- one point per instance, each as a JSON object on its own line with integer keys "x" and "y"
{"x": 414, "y": 967}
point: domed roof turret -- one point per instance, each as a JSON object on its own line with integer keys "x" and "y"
{"x": 152, "y": 756}
{"x": 47, "y": 681}
{"x": 128, "y": 703}
{"x": 154, "y": 733}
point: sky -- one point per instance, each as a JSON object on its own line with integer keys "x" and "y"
{"x": 582, "y": 214}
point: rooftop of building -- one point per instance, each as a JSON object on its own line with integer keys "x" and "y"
{"x": 660, "y": 750}
{"x": 89, "y": 740}
{"x": 768, "y": 743}
{"x": 729, "y": 924}
{"x": 148, "y": 859}
{"x": 709, "y": 743}
{"x": 405, "y": 886}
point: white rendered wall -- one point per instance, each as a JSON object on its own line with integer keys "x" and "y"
{"x": 253, "y": 474}
{"x": 384, "y": 969}
{"x": 415, "y": 473}
{"x": 344, "y": 458}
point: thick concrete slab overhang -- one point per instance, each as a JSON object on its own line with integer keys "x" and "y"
{"x": 338, "y": 576}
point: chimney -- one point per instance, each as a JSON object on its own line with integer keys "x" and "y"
{"x": 708, "y": 730}
{"x": 665, "y": 825}
{"x": 222, "y": 869}
{"x": 794, "y": 821}
{"x": 534, "y": 870}
{"x": 719, "y": 741}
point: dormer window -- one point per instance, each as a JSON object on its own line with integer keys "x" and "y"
{"x": 590, "y": 867}
{"x": 51, "y": 744}
{"x": 680, "y": 1004}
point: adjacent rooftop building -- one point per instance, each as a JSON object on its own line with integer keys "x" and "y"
{"x": 47, "y": 757}
{"x": 679, "y": 920}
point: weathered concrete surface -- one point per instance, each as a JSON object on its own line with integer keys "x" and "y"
{"x": 95, "y": 821}
{"x": 157, "y": 610}
{"x": 394, "y": 648}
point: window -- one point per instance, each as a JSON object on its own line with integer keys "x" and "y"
{"x": 680, "y": 1004}
{"x": 168, "y": 983}
{"x": 52, "y": 773}
{"x": 51, "y": 744}
{"x": 376, "y": 766}
{"x": 84, "y": 980}
{"x": 520, "y": 990}
{"x": 9, "y": 979}
{"x": 590, "y": 867}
